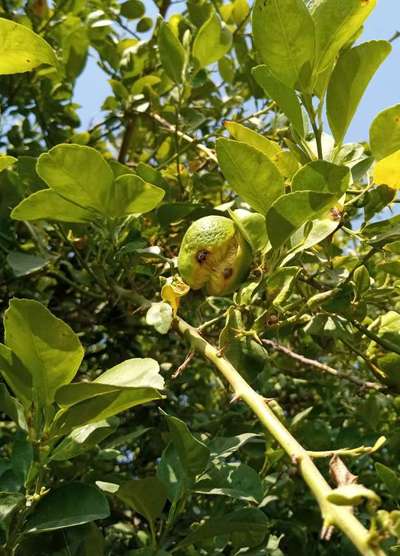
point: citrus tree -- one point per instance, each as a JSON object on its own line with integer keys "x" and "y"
{"x": 200, "y": 291}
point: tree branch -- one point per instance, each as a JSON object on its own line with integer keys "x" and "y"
{"x": 172, "y": 129}
{"x": 333, "y": 515}
{"x": 321, "y": 366}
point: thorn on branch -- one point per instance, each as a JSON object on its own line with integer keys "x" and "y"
{"x": 326, "y": 532}
{"x": 184, "y": 365}
{"x": 339, "y": 472}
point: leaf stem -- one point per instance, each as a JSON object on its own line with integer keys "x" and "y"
{"x": 340, "y": 517}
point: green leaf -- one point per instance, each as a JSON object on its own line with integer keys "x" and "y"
{"x": 79, "y": 174}
{"x": 384, "y": 134}
{"x": 44, "y": 344}
{"x": 193, "y": 454}
{"x": 253, "y": 227}
{"x": 132, "y": 373}
{"x": 284, "y": 96}
{"x": 12, "y": 407}
{"x": 129, "y": 194}
{"x": 352, "y": 495}
{"x": 6, "y": 162}
{"x": 293, "y": 210}
{"x": 284, "y": 37}
{"x": 21, "y": 49}
{"x": 16, "y": 375}
{"x": 254, "y": 139}
{"x": 250, "y": 173}
{"x": 133, "y": 9}
{"x": 83, "y": 540}
{"x": 336, "y": 22}
{"x": 279, "y": 284}
{"x": 224, "y": 447}
{"x": 236, "y": 480}
{"x": 171, "y": 52}
{"x": 22, "y": 456}
{"x": 131, "y": 383}
{"x": 145, "y": 496}
{"x": 247, "y": 527}
{"x": 48, "y": 205}
{"x": 171, "y": 473}
{"x": 23, "y": 264}
{"x": 226, "y": 68}
{"x": 385, "y": 231}
{"x": 310, "y": 235}
{"x": 212, "y": 42}
{"x": 9, "y": 501}
{"x": 350, "y": 78}
{"x": 323, "y": 177}
{"x": 67, "y": 506}
{"x": 83, "y": 438}
{"x": 389, "y": 478}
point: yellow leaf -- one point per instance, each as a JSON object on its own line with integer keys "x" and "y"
{"x": 172, "y": 291}
{"x": 387, "y": 171}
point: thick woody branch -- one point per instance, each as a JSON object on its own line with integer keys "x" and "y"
{"x": 338, "y": 516}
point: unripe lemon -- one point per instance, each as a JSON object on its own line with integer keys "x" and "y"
{"x": 214, "y": 255}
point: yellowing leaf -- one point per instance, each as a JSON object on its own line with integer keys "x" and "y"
{"x": 172, "y": 291}
{"x": 387, "y": 171}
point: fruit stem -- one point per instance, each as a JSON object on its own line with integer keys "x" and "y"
{"x": 339, "y": 516}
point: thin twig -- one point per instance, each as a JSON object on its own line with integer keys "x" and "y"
{"x": 172, "y": 129}
{"x": 321, "y": 366}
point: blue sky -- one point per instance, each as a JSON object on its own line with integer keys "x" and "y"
{"x": 384, "y": 91}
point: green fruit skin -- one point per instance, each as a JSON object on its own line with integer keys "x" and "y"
{"x": 214, "y": 255}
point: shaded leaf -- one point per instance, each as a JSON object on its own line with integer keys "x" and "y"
{"x": 82, "y": 439}
{"x": 291, "y": 211}
{"x": 284, "y": 96}
{"x": 236, "y": 480}
{"x": 24, "y": 264}
{"x": 193, "y": 454}
{"x": 246, "y": 527}
{"x": 145, "y": 496}
{"x": 16, "y": 375}
{"x": 322, "y": 176}
{"x": 389, "y": 478}
{"x": 60, "y": 509}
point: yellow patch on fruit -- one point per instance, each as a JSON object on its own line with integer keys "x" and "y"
{"x": 387, "y": 171}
